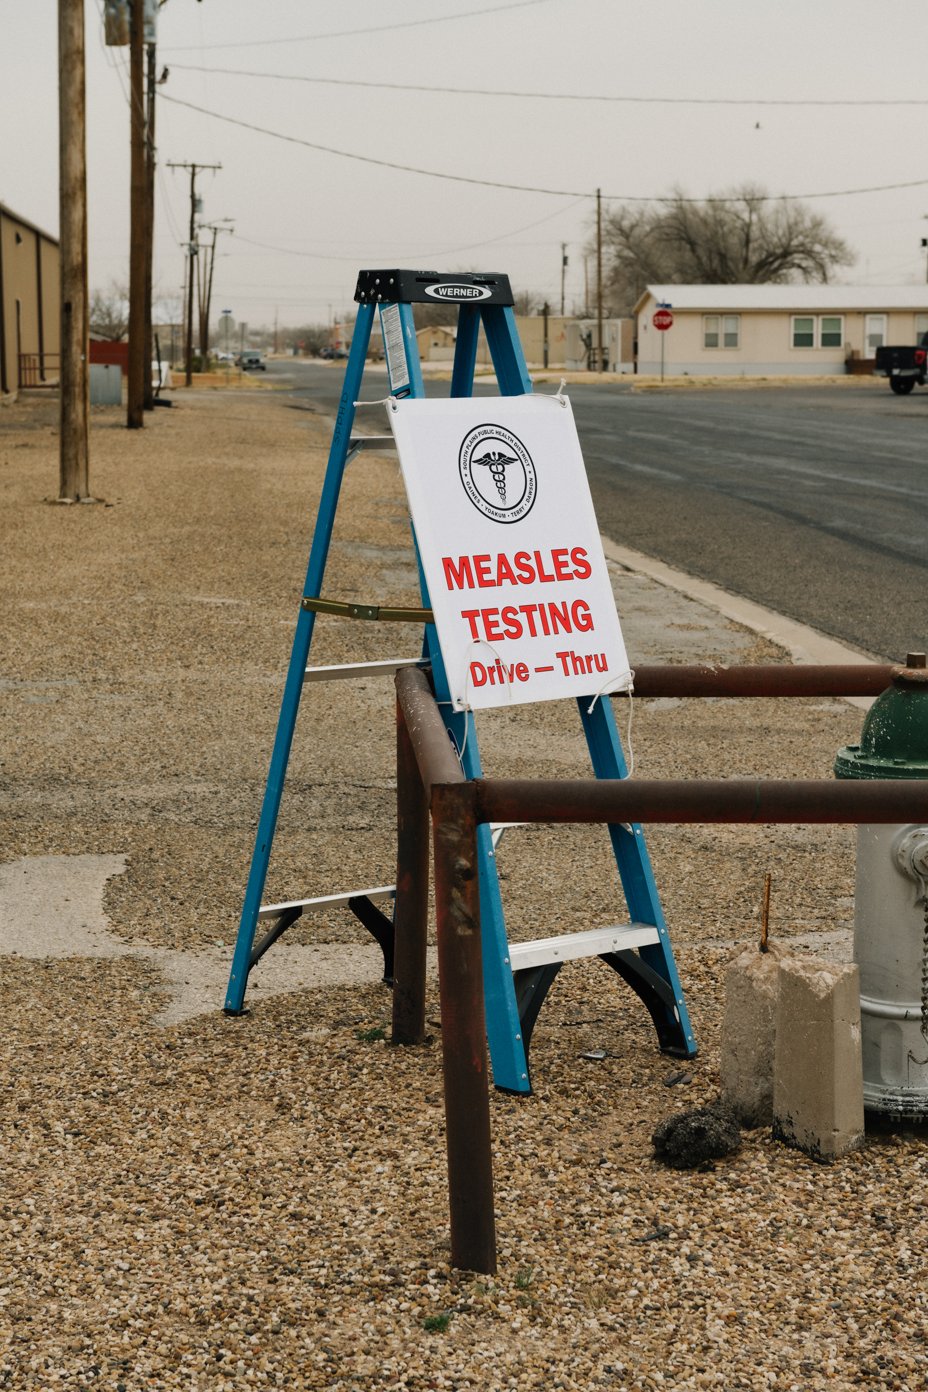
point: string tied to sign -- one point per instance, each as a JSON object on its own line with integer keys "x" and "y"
{"x": 629, "y": 691}
{"x": 461, "y": 702}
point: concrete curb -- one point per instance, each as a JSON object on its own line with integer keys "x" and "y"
{"x": 803, "y": 644}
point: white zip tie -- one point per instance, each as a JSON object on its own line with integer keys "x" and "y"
{"x": 384, "y": 401}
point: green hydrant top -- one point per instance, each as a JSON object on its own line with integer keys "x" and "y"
{"x": 894, "y": 740}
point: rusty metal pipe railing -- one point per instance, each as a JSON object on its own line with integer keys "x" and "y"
{"x": 463, "y": 1029}
{"x": 764, "y": 679}
{"x": 430, "y": 782}
{"x": 410, "y": 917}
{"x": 434, "y": 752}
{"x": 614, "y": 800}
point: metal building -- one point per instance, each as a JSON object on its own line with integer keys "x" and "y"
{"x": 29, "y": 304}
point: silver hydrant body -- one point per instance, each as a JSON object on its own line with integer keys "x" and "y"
{"x": 891, "y": 903}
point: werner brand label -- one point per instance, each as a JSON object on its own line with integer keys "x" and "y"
{"x": 458, "y": 292}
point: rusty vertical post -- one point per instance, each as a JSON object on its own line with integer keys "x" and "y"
{"x": 463, "y": 1030}
{"x": 410, "y": 920}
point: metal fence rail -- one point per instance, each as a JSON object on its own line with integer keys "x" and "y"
{"x": 430, "y": 785}
{"x": 39, "y": 369}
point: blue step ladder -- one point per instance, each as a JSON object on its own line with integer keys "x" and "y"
{"x": 516, "y": 976}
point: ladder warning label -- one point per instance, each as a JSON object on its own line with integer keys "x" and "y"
{"x": 394, "y": 347}
{"x": 510, "y": 548}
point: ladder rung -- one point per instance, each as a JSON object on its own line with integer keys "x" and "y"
{"x": 498, "y": 829}
{"x": 327, "y": 901}
{"x": 378, "y": 442}
{"x": 363, "y": 669}
{"x": 593, "y": 943}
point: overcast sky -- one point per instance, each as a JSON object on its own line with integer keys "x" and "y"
{"x": 716, "y": 93}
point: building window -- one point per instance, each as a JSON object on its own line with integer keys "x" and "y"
{"x": 721, "y": 330}
{"x": 803, "y": 331}
{"x": 921, "y": 327}
{"x": 826, "y": 331}
{"x": 831, "y": 333}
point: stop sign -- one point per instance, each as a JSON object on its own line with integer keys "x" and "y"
{"x": 663, "y": 319}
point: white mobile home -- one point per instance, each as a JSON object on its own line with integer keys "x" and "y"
{"x": 774, "y": 330}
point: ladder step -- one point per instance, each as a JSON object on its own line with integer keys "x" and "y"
{"x": 593, "y": 943}
{"x": 327, "y": 901}
{"x": 345, "y": 671}
{"x": 377, "y": 442}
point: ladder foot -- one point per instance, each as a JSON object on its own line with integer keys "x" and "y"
{"x": 658, "y": 998}
{"x": 380, "y": 928}
{"x": 532, "y": 985}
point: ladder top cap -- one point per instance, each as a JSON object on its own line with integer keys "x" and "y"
{"x": 433, "y": 287}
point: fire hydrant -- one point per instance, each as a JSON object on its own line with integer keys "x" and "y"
{"x": 891, "y": 903}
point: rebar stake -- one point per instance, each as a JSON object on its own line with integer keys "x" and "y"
{"x": 765, "y": 914}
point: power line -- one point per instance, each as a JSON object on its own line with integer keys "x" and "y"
{"x": 375, "y": 29}
{"x": 529, "y": 188}
{"x": 562, "y": 96}
{"x": 448, "y": 251}
{"x": 368, "y": 159}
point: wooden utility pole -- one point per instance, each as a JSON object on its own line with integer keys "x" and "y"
{"x": 191, "y": 253}
{"x": 599, "y": 277}
{"x": 150, "y": 58}
{"x": 74, "y": 410}
{"x": 135, "y": 417}
{"x": 206, "y": 280}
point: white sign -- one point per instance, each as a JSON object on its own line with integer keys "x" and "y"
{"x": 511, "y": 551}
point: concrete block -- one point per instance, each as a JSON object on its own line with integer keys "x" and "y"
{"x": 748, "y": 1030}
{"x": 818, "y": 1096}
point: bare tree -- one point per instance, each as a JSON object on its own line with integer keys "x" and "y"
{"x": 109, "y": 312}
{"x": 526, "y": 302}
{"x": 309, "y": 338}
{"x": 740, "y": 237}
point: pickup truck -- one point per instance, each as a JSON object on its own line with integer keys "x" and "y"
{"x": 903, "y": 366}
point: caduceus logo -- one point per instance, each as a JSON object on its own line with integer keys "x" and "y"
{"x": 497, "y": 473}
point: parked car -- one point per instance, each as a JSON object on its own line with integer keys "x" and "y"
{"x": 903, "y": 366}
{"x": 251, "y": 360}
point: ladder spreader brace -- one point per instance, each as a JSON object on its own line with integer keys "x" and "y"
{"x": 518, "y": 976}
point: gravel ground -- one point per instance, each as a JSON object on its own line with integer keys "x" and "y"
{"x": 223, "y": 1204}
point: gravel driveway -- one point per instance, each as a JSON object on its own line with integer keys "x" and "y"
{"x": 195, "y": 1202}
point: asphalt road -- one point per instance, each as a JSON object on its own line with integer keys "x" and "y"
{"x": 812, "y": 501}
